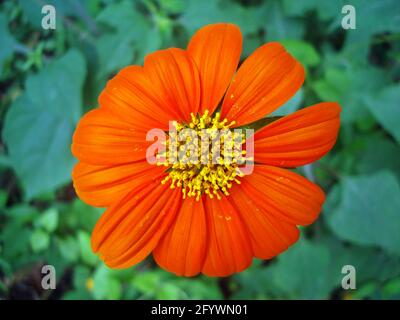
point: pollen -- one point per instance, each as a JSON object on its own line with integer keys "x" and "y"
{"x": 203, "y": 156}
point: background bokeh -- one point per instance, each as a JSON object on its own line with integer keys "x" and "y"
{"x": 49, "y": 78}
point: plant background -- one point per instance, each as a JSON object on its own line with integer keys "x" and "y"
{"x": 49, "y": 78}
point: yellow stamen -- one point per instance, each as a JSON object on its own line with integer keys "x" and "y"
{"x": 197, "y": 170}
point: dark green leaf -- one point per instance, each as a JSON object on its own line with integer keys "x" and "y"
{"x": 369, "y": 211}
{"x": 7, "y": 42}
{"x": 39, "y": 125}
{"x": 386, "y": 109}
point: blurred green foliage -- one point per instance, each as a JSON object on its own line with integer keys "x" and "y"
{"x": 49, "y": 78}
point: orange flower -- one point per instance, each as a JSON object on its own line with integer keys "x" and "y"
{"x": 195, "y": 222}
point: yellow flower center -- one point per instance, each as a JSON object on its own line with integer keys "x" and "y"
{"x": 203, "y": 156}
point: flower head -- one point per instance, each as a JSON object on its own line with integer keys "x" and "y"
{"x": 197, "y": 212}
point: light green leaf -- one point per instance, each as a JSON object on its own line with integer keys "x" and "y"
{"x": 369, "y": 211}
{"x": 48, "y": 220}
{"x": 168, "y": 292}
{"x": 146, "y": 282}
{"x": 199, "y": 288}
{"x": 302, "y": 51}
{"x": 172, "y": 6}
{"x": 40, "y": 240}
{"x": 40, "y": 123}
{"x": 87, "y": 254}
{"x": 22, "y": 213}
{"x": 105, "y": 285}
{"x": 69, "y": 248}
{"x": 81, "y": 277}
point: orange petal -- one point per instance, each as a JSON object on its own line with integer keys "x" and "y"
{"x": 229, "y": 246}
{"x": 216, "y": 49}
{"x": 270, "y": 235}
{"x": 175, "y": 79}
{"x": 130, "y": 95}
{"x": 266, "y": 80}
{"x": 101, "y": 186}
{"x": 299, "y": 138}
{"x": 283, "y": 194}
{"x": 103, "y": 139}
{"x": 182, "y": 249}
{"x": 130, "y": 229}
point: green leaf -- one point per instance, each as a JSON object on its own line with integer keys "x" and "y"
{"x": 302, "y": 51}
{"x": 87, "y": 254}
{"x": 369, "y": 211}
{"x": 325, "y": 9}
{"x": 39, "y": 125}
{"x": 77, "y": 295}
{"x": 371, "y": 264}
{"x": 344, "y": 85}
{"x": 172, "y": 6}
{"x": 199, "y": 13}
{"x": 146, "y": 282}
{"x": 199, "y": 288}
{"x": 15, "y": 240}
{"x": 40, "y": 240}
{"x": 168, "y": 292}
{"x": 357, "y": 41}
{"x": 69, "y": 248}
{"x": 6, "y": 40}
{"x": 3, "y": 198}
{"x": 126, "y": 47}
{"x": 122, "y": 48}
{"x": 378, "y": 153}
{"x": 386, "y": 109}
{"x": 364, "y": 291}
{"x": 22, "y": 213}
{"x": 105, "y": 285}
{"x": 48, "y": 220}
{"x": 301, "y": 272}
{"x": 81, "y": 216}
{"x": 80, "y": 278}
{"x": 277, "y": 24}
{"x": 124, "y": 17}
{"x": 392, "y": 289}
